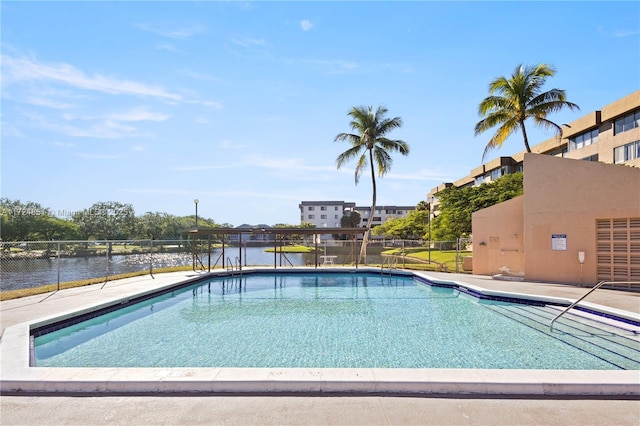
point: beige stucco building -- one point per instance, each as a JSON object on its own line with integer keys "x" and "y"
{"x": 568, "y": 207}
{"x": 581, "y": 195}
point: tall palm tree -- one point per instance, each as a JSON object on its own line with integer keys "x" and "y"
{"x": 370, "y": 145}
{"x": 514, "y": 100}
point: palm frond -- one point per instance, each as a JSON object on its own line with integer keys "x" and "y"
{"x": 382, "y": 159}
{"x": 503, "y": 132}
{"x": 369, "y": 128}
{"x": 362, "y": 163}
{"x": 514, "y": 100}
{"x": 348, "y": 155}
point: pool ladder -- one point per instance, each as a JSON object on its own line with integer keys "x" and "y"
{"x": 232, "y": 267}
{"x": 597, "y": 286}
{"x": 390, "y": 262}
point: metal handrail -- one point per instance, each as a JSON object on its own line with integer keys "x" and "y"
{"x": 391, "y": 261}
{"x": 230, "y": 266}
{"x": 597, "y": 286}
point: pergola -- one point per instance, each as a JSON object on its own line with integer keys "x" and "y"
{"x": 277, "y": 233}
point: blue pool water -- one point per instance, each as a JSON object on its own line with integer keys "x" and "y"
{"x": 334, "y": 320}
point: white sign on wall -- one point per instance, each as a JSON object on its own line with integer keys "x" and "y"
{"x": 559, "y": 242}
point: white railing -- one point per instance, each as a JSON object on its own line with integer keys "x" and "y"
{"x": 597, "y": 286}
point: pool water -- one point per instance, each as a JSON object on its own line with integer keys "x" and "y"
{"x": 334, "y": 321}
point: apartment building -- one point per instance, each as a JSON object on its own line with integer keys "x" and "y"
{"x": 324, "y": 214}
{"x": 383, "y": 213}
{"x": 579, "y": 218}
{"x": 610, "y": 135}
{"x": 327, "y": 214}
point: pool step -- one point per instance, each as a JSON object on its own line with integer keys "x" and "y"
{"x": 617, "y": 346}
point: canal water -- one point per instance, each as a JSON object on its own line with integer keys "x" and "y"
{"x": 28, "y": 273}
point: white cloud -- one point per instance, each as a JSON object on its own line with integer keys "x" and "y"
{"x": 47, "y": 103}
{"x": 625, "y": 33}
{"x": 64, "y": 144}
{"x": 181, "y": 33}
{"x": 616, "y": 33}
{"x": 138, "y": 114}
{"x": 226, "y": 144}
{"x": 249, "y": 42}
{"x": 24, "y": 69}
{"x": 213, "y": 104}
{"x": 196, "y": 75}
{"x": 421, "y": 175}
{"x": 334, "y": 66}
{"x": 284, "y": 195}
{"x": 168, "y": 47}
{"x": 102, "y": 130}
{"x": 306, "y": 25}
{"x": 199, "y": 168}
{"x": 287, "y": 164}
{"x": 96, "y": 156}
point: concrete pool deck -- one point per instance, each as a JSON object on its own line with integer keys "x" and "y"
{"x": 374, "y": 393}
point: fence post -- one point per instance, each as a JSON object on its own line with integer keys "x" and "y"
{"x": 151, "y": 258}
{"x": 106, "y": 257}
{"x": 58, "y": 262}
{"x": 457, "y": 253}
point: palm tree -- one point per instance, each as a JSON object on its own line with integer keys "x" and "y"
{"x": 369, "y": 145}
{"x": 514, "y": 100}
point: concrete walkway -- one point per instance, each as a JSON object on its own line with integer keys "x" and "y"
{"x": 291, "y": 410}
{"x": 308, "y": 409}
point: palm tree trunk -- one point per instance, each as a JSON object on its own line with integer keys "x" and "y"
{"x": 365, "y": 238}
{"x": 526, "y": 139}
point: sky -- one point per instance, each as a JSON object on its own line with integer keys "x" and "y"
{"x": 237, "y": 104}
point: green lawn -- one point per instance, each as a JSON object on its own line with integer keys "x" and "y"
{"x": 292, "y": 249}
{"x": 440, "y": 257}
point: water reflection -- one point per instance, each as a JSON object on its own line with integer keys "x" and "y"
{"x": 27, "y": 273}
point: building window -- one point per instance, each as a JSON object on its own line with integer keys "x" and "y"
{"x": 336, "y": 208}
{"x": 335, "y": 217}
{"x": 312, "y": 216}
{"x": 481, "y": 179}
{"x": 376, "y": 219}
{"x": 627, "y": 122}
{"x": 323, "y": 216}
{"x": 593, "y": 158}
{"x": 311, "y": 208}
{"x": 627, "y": 152}
{"x": 323, "y": 208}
{"x": 583, "y": 139}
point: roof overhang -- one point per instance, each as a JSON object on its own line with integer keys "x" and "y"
{"x": 274, "y": 231}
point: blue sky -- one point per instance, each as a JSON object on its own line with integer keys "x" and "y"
{"x": 237, "y": 104}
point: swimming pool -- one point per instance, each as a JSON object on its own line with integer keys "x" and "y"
{"x": 334, "y": 320}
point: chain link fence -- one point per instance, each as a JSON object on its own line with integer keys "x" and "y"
{"x": 59, "y": 264}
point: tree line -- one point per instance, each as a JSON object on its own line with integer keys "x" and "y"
{"x": 453, "y": 218}
{"x": 109, "y": 220}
